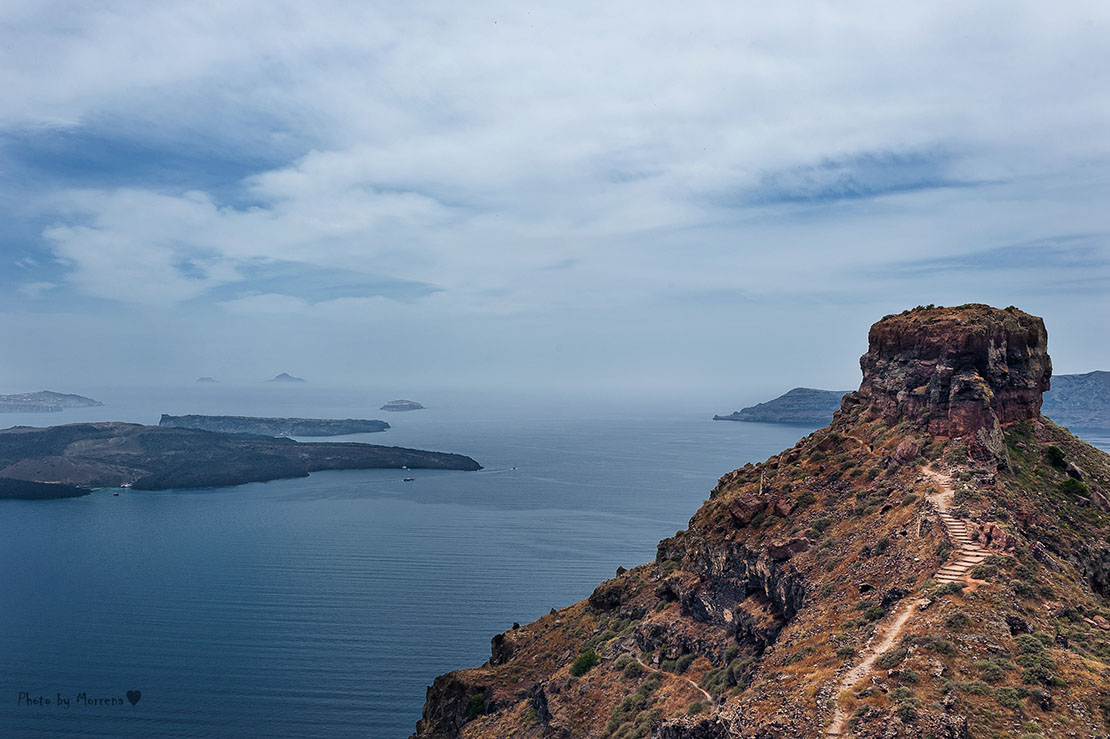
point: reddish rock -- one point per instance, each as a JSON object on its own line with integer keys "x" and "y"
{"x": 785, "y": 506}
{"x": 907, "y": 451}
{"x": 1100, "y": 500}
{"x": 955, "y": 371}
{"x": 992, "y": 536}
{"x": 743, "y": 509}
{"x": 781, "y": 549}
{"x": 1102, "y": 623}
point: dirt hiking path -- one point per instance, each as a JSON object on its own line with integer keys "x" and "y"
{"x": 968, "y": 555}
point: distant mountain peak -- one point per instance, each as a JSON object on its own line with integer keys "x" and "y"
{"x": 286, "y": 377}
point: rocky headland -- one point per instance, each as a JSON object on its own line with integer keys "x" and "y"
{"x": 933, "y": 563}
{"x": 802, "y": 405}
{"x": 274, "y": 426}
{"x": 44, "y": 401}
{"x": 401, "y": 405}
{"x": 1079, "y": 401}
{"x": 91, "y": 455}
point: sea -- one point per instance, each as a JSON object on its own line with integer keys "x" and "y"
{"x": 325, "y": 606}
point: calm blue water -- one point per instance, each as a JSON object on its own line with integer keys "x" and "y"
{"x": 325, "y": 606}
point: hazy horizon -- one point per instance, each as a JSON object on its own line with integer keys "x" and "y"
{"x": 618, "y": 199}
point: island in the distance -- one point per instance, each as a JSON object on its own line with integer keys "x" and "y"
{"x": 1079, "y": 401}
{"x": 802, "y": 405}
{"x": 402, "y": 405}
{"x": 44, "y": 401}
{"x": 274, "y": 426}
{"x": 115, "y": 454}
{"x": 286, "y": 377}
{"x": 206, "y": 379}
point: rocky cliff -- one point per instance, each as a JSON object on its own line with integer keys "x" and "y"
{"x": 959, "y": 372}
{"x": 933, "y": 563}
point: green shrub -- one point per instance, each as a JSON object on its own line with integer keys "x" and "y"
{"x": 695, "y": 708}
{"x": 476, "y": 707}
{"x": 974, "y": 687}
{"x": 958, "y": 620}
{"x": 874, "y": 613}
{"x": 1029, "y": 644}
{"x": 1071, "y": 486}
{"x": 940, "y": 646}
{"x": 683, "y": 663}
{"x": 984, "y": 572}
{"x": 890, "y": 659}
{"x": 992, "y": 672}
{"x": 901, "y": 694}
{"x": 1055, "y": 456}
{"x": 632, "y": 670}
{"x": 908, "y": 676}
{"x": 949, "y": 588}
{"x": 1008, "y": 697}
{"x": 669, "y": 665}
{"x": 584, "y": 663}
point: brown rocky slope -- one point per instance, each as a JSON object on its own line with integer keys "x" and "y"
{"x": 934, "y": 563}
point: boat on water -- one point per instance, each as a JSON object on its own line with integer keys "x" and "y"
{"x": 408, "y": 479}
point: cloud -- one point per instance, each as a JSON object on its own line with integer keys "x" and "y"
{"x": 545, "y": 170}
{"x": 1073, "y": 252}
{"x": 266, "y": 304}
{"x": 35, "y": 289}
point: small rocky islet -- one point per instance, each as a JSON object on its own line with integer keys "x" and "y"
{"x": 401, "y": 405}
{"x": 934, "y": 562}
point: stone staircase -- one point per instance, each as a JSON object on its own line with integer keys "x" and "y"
{"x": 968, "y": 553}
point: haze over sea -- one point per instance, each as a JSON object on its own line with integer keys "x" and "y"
{"x": 324, "y": 606}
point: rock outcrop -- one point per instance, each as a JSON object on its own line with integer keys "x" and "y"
{"x": 822, "y": 592}
{"x": 957, "y": 372}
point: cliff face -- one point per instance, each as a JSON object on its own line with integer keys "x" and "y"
{"x": 956, "y": 371}
{"x": 933, "y": 563}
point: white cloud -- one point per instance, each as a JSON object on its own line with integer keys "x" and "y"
{"x": 35, "y": 289}
{"x": 654, "y": 150}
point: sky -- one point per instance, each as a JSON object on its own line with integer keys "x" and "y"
{"x": 621, "y": 197}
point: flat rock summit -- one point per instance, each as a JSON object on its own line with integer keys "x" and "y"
{"x": 933, "y": 563}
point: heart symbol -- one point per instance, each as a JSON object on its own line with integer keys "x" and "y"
{"x": 134, "y": 696}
